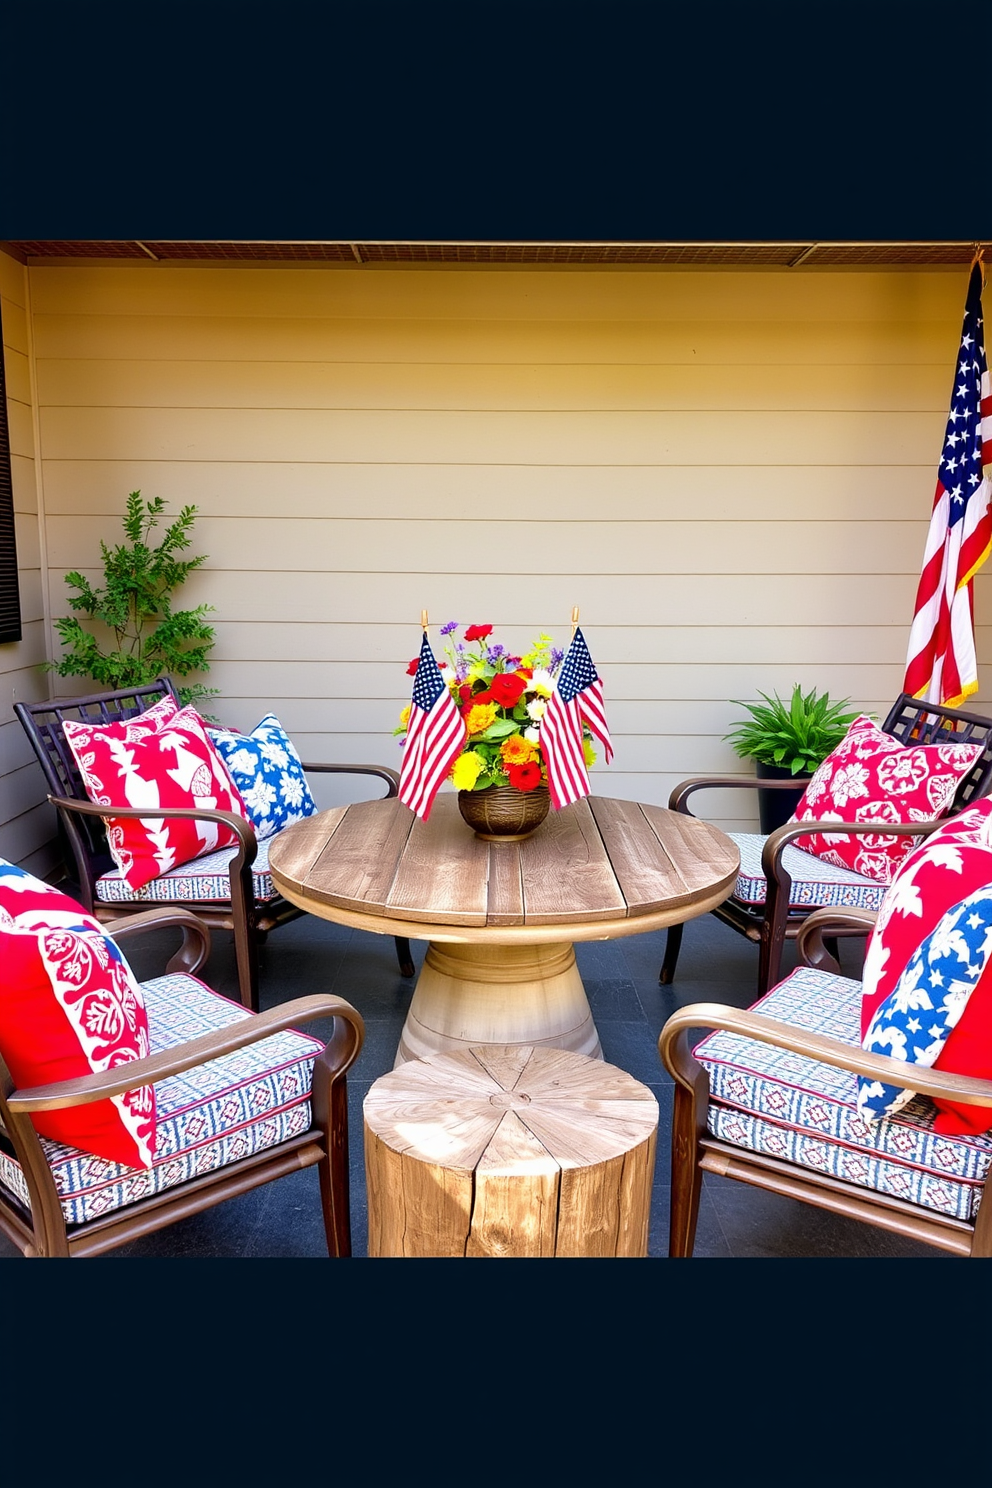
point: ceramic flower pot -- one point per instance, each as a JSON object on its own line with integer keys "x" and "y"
{"x": 504, "y": 814}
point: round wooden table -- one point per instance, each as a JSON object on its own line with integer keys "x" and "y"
{"x": 502, "y": 917}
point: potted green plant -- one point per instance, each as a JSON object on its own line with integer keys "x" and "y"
{"x": 139, "y": 635}
{"x": 787, "y": 739}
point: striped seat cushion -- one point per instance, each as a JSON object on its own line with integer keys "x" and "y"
{"x": 814, "y": 883}
{"x": 208, "y": 1117}
{"x": 204, "y": 880}
{"x": 783, "y": 1105}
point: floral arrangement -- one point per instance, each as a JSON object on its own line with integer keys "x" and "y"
{"x": 502, "y": 699}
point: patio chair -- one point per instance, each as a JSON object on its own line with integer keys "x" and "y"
{"x": 770, "y": 1099}
{"x": 259, "y": 1101}
{"x": 231, "y": 889}
{"x": 779, "y": 885}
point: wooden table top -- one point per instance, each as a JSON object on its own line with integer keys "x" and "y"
{"x": 598, "y": 868}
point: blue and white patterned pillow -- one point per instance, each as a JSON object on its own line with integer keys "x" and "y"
{"x": 269, "y": 774}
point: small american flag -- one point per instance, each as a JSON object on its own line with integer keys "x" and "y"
{"x": 941, "y": 666}
{"x": 434, "y": 736}
{"x": 577, "y": 698}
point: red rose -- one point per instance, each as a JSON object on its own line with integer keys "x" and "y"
{"x": 524, "y": 777}
{"x": 507, "y": 689}
{"x": 465, "y": 692}
{"x": 411, "y": 670}
{"x": 478, "y": 632}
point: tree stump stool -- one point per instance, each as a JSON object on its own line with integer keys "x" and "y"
{"x": 509, "y": 1150}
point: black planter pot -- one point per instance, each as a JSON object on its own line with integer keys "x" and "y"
{"x": 776, "y": 806}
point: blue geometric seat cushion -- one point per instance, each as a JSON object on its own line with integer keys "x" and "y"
{"x": 781, "y": 1104}
{"x": 210, "y": 1116}
{"x": 814, "y": 883}
{"x": 268, "y": 773}
{"x": 203, "y": 880}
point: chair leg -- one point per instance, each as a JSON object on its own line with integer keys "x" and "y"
{"x": 687, "y": 1176}
{"x": 333, "y": 1171}
{"x": 404, "y": 957}
{"x": 673, "y": 944}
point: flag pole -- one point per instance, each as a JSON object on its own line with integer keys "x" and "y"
{"x": 575, "y": 620}
{"x": 423, "y": 621}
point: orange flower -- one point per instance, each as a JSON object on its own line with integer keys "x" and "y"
{"x": 516, "y": 750}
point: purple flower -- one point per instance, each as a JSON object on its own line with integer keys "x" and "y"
{"x": 557, "y": 657}
{"x": 493, "y": 654}
{"x": 447, "y": 629}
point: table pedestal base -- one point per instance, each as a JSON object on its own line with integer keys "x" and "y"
{"x": 498, "y": 994}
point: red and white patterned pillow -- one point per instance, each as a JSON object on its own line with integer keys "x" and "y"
{"x": 148, "y": 761}
{"x": 71, "y": 1006}
{"x": 872, "y": 777}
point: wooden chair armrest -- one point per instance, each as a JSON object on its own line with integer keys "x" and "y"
{"x": 682, "y": 792}
{"x": 673, "y": 1046}
{"x": 344, "y": 1047}
{"x": 384, "y": 772}
{"x": 195, "y": 947}
{"x": 830, "y": 924}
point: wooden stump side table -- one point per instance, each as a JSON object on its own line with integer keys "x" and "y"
{"x": 509, "y": 1151}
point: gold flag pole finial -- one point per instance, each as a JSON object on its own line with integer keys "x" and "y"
{"x": 423, "y": 620}
{"x": 575, "y": 620}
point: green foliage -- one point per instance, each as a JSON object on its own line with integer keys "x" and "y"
{"x": 797, "y": 735}
{"x": 134, "y": 606}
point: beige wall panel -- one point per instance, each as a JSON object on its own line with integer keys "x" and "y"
{"x": 682, "y": 599}
{"x": 21, "y": 790}
{"x": 30, "y": 838}
{"x": 732, "y": 439}
{"x": 25, "y": 485}
{"x": 15, "y": 748}
{"x": 796, "y": 645}
{"x": 32, "y": 607}
{"x": 15, "y": 326}
{"x": 446, "y": 492}
{"x": 257, "y": 384}
{"x": 562, "y": 547}
{"x": 27, "y": 539}
{"x": 17, "y": 375}
{"x": 20, "y": 428}
{"x": 642, "y": 686}
{"x": 735, "y": 343}
{"x": 12, "y": 279}
{"x": 593, "y": 294}
{"x": 25, "y": 683}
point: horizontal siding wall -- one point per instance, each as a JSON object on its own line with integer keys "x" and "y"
{"x": 729, "y": 473}
{"x": 27, "y": 822}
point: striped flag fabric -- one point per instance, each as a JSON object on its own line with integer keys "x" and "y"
{"x": 577, "y": 699}
{"x": 941, "y": 665}
{"x": 434, "y": 736}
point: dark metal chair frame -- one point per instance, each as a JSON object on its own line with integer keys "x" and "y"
{"x": 695, "y": 1151}
{"x": 84, "y": 838}
{"x": 770, "y": 925}
{"x": 43, "y": 1231}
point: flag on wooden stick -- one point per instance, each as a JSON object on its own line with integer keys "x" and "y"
{"x": 434, "y": 736}
{"x": 577, "y": 699}
{"x": 941, "y": 665}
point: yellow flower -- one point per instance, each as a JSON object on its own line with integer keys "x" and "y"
{"x": 542, "y": 683}
{"x": 405, "y": 716}
{"x": 516, "y": 750}
{"x": 466, "y": 770}
{"x": 480, "y": 717}
{"x": 589, "y": 754}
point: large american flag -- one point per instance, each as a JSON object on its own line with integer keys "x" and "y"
{"x": 577, "y": 698}
{"x": 434, "y": 736}
{"x": 941, "y": 665}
